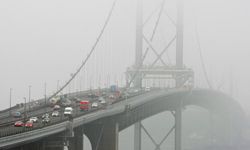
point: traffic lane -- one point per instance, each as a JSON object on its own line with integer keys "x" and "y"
{"x": 10, "y": 130}
{"x": 41, "y": 109}
{"x": 36, "y": 113}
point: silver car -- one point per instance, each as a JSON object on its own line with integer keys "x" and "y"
{"x": 103, "y": 102}
{"x": 34, "y": 119}
{"x": 94, "y": 105}
{"x": 100, "y": 99}
{"x": 55, "y": 114}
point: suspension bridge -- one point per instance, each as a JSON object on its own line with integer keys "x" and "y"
{"x": 171, "y": 90}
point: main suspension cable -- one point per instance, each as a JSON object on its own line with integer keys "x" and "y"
{"x": 88, "y": 56}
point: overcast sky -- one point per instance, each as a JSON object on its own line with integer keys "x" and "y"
{"x": 45, "y": 41}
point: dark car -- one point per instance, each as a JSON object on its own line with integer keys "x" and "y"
{"x": 45, "y": 116}
{"x": 75, "y": 99}
{"x": 92, "y": 95}
{"x": 17, "y": 115}
{"x": 66, "y": 103}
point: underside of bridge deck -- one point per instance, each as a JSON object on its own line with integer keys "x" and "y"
{"x": 103, "y": 135}
{"x": 54, "y": 142}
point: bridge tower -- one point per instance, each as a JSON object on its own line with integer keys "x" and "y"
{"x": 138, "y": 64}
{"x": 177, "y": 73}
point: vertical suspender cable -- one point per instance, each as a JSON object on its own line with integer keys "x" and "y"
{"x": 91, "y": 51}
{"x": 201, "y": 56}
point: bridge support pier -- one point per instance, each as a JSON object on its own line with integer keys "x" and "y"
{"x": 52, "y": 143}
{"x": 178, "y": 127}
{"x": 103, "y": 136}
{"x": 137, "y": 136}
{"x": 76, "y": 142}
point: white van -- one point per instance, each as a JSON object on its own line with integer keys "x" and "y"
{"x": 68, "y": 111}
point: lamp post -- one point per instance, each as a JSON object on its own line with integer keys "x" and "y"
{"x": 45, "y": 96}
{"x": 25, "y": 112}
{"x": 57, "y": 86}
{"x": 10, "y": 99}
{"x": 29, "y": 95}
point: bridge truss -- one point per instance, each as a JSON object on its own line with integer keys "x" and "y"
{"x": 173, "y": 76}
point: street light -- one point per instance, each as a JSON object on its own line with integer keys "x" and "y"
{"x": 57, "y": 86}
{"x": 29, "y": 95}
{"x": 25, "y": 113}
{"x": 10, "y": 99}
{"x": 45, "y": 96}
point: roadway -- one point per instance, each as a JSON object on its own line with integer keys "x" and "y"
{"x": 7, "y": 124}
{"x": 136, "y": 107}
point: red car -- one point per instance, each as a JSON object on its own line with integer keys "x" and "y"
{"x": 19, "y": 124}
{"x": 29, "y": 124}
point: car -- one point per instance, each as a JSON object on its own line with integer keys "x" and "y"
{"x": 56, "y": 107}
{"x": 54, "y": 100}
{"x": 76, "y": 99}
{"x": 34, "y": 119}
{"x": 19, "y": 124}
{"x": 100, "y": 99}
{"x": 136, "y": 90}
{"x": 147, "y": 89}
{"x": 55, "y": 114}
{"x": 68, "y": 111}
{"x": 104, "y": 93}
{"x": 17, "y": 114}
{"x": 66, "y": 103}
{"x": 133, "y": 90}
{"x": 92, "y": 95}
{"x": 126, "y": 94}
{"x": 94, "y": 105}
{"x": 45, "y": 116}
{"x": 103, "y": 102}
{"x": 29, "y": 124}
{"x": 46, "y": 120}
{"x": 111, "y": 96}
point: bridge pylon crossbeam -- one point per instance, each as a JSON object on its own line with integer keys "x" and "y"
{"x": 185, "y": 76}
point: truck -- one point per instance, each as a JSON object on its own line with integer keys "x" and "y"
{"x": 84, "y": 105}
{"x": 113, "y": 88}
{"x": 54, "y": 100}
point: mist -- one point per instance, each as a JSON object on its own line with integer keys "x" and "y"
{"x": 46, "y": 41}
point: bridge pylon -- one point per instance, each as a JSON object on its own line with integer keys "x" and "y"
{"x": 175, "y": 76}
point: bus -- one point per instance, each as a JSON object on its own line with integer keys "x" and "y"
{"x": 84, "y": 105}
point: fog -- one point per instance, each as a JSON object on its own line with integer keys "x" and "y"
{"x": 46, "y": 41}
